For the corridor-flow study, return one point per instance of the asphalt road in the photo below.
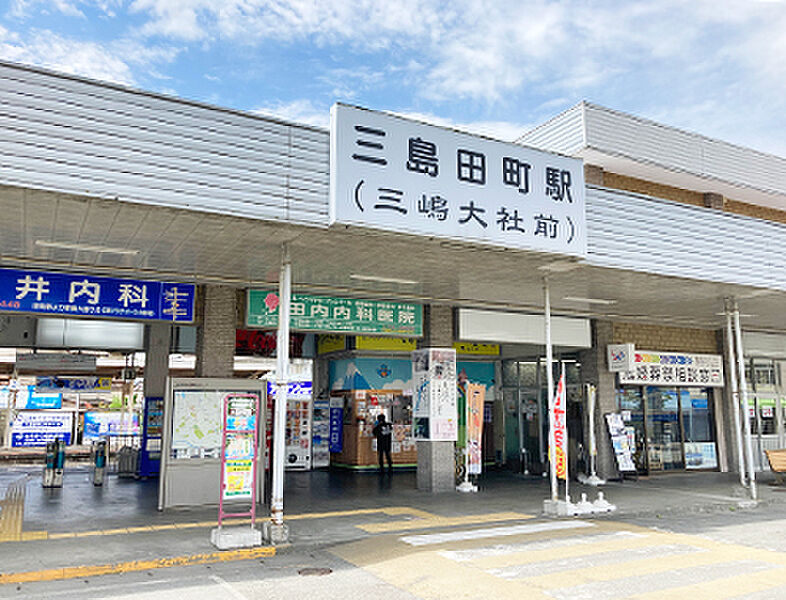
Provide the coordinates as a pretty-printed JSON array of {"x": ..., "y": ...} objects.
[{"x": 716, "y": 554}]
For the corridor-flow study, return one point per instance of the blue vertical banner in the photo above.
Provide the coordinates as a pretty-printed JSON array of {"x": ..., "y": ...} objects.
[
  {"x": 82, "y": 295},
  {"x": 336, "y": 424}
]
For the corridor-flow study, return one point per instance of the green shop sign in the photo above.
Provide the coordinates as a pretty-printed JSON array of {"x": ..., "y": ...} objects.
[{"x": 336, "y": 315}]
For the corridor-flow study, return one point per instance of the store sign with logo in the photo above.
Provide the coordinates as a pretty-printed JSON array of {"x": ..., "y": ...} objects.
[
  {"x": 674, "y": 369},
  {"x": 73, "y": 384},
  {"x": 336, "y": 315},
  {"x": 476, "y": 349},
  {"x": 71, "y": 295},
  {"x": 395, "y": 174},
  {"x": 385, "y": 344},
  {"x": 621, "y": 357}
]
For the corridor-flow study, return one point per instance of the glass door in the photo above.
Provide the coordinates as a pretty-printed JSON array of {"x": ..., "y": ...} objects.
[{"x": 664, "y": 436}]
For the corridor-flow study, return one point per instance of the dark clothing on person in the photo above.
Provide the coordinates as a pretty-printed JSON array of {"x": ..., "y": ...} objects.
[{"x": 383, "y": 431}]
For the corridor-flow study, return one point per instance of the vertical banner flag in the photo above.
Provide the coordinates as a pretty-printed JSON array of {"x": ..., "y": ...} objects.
[
  {"x": 475, "y": 397},
  {"x": 561, "y": 429}
]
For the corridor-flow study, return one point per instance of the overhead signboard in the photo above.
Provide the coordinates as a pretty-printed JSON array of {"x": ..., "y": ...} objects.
[
  {"x": 56, "y": 361},
  {"x": 100, "y": 297},
  {"x": 674, "y": 369},
  {"x": 73, "y": 384},
  {"x": 336, "y": 315},
  {"x": 400, "y": 175}
]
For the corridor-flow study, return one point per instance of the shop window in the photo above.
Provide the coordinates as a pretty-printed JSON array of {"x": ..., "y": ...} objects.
[
  {"x": 697, "y": 424},
  {"x": 763, "y": 373},
  {"x": 664, "y": 438},
  {"x": 528, "y": 374},
  {"x": 510, "y": 373},
  {"x": 766, "y": 407}
]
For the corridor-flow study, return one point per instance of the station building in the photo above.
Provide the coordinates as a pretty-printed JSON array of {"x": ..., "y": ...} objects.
[{"x": 98, "y": 180}]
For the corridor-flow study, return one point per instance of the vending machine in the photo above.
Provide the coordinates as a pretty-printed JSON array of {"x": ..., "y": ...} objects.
[
  {"x": 298, "y": 432},
  {"x": 320, "y": 433}
]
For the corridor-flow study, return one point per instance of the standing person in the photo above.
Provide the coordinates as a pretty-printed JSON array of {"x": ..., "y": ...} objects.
[{"x": 383, "y": 431}]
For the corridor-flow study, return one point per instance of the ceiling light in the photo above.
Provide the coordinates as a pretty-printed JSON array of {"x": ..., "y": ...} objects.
[
  {"x": 589, "y": 300},
  {"x": 85, "y": 247},
  {"x": 382, "y": 279}
]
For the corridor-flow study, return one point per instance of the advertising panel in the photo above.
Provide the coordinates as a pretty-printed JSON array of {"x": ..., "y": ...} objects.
[
  {"x": 101, "y": 424},
  {"x": 39, "y": 428},
  {"x": 87, "y": 296}
]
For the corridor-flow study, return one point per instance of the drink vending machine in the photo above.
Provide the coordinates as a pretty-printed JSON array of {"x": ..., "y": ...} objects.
[{"x": 298, "y": 433}]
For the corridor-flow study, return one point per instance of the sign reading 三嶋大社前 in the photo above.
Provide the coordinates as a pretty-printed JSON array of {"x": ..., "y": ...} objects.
[
  {"x": 66, "y": 294},
  {"x": 395, "y": 174},
  {"x": 652, "y": 367},
  {"x": 336, "y": 315}
]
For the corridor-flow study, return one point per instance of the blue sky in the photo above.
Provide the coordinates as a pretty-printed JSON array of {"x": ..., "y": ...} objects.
[{"x": 496, "y": 67}]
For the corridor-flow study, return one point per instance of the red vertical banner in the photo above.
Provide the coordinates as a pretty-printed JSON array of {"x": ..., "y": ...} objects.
[
  {"x": 561, "y": 429},
  {"x": 475, "y": 397}
]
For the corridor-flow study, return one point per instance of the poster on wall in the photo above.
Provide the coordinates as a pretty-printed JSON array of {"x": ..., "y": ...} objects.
[
  {"x": 336, "y": 424},
  {"x": 39, "y": 428},
  {"x": 435, "y": 401},
  {"x": 700, "y": 455},
  {"x": 240, "y": 429},
  {"x": 116, "y": 423}
]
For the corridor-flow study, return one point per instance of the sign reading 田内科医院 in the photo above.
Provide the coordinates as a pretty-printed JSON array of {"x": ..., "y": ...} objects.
[
  {"x": 69, "y": 295},
  {"x": 399, "y": 175},
  {"x": 339, "y": 315}
]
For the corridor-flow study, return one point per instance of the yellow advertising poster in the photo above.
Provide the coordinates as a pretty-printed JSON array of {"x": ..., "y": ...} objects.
[
  {"x": 331, "y": 343},
  {"x": 387, "y": 344},
  {"x": 478, "y": 349}
]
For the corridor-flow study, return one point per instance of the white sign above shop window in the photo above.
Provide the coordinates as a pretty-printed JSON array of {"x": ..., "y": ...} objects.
[
  {"x": 675, "y": 369},
  {"x": 399, "y": 175}
]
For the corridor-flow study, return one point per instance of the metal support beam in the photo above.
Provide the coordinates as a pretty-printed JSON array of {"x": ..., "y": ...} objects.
[
  {"x": 735, "y": 395},
  {"x": 550, "y": 389},
  {"x": 744, "y": 392},
  {"x": 282, "y": 382}
]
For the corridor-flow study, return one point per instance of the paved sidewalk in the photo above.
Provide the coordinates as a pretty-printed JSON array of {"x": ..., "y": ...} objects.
[{"x": 80, "y": 525}]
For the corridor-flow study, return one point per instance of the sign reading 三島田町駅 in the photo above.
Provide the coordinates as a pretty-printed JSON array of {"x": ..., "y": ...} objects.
[
  {"x": 395, "y": 174},
  {"x": 336, "y": 315},
  {"x": 65, "y": 294}
]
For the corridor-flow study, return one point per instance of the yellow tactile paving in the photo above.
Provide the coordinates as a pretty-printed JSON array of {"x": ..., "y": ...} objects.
[
  {"x": 137, "y": 565},
  {"x": 435, "y": 521},
  {"x": 12, "y": 509},
  {"x": 726, "y": 587},
  {"x": 392, "y": 511}
]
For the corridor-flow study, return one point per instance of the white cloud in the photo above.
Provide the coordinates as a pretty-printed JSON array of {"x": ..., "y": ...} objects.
[
  {"x": 298, "y": 111},
  {"x": 112, "y": 62},
  {"x": 501, "y": 130}
]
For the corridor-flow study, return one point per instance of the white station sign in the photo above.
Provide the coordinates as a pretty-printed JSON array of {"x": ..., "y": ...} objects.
[{"x": 399, "y": 175}]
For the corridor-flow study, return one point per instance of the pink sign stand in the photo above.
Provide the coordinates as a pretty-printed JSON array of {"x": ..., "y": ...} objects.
[{"x": 254, "y": 433}]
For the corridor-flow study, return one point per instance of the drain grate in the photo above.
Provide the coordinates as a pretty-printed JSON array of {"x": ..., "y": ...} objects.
[{"x": 315, "y": 571}]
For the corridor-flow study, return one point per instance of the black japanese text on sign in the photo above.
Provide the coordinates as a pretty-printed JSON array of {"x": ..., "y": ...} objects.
[{"x": 399, "y": 175}]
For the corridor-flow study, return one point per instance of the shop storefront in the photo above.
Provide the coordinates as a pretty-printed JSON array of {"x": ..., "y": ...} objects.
[{"x": 668, "y": 401}]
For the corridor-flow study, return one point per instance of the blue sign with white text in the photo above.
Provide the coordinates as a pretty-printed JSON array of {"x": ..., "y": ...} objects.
[
  {"x": 66, "y": 294},
  {"x": 336, "y": 442}
]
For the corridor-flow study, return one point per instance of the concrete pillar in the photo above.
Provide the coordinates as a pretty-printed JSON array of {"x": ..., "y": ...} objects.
[
  {"x": 728, "y": 455},
  {"x": 215, "y": 351},
  {"x": 157, "y": 341},
  {"x": 595, "y": 371},
  {"x": 437, "y": 460}
]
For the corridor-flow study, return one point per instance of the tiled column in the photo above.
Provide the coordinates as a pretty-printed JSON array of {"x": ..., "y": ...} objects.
[
  {"x": 436, "y": 460},
  {"x": 215, "y": 347}
]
